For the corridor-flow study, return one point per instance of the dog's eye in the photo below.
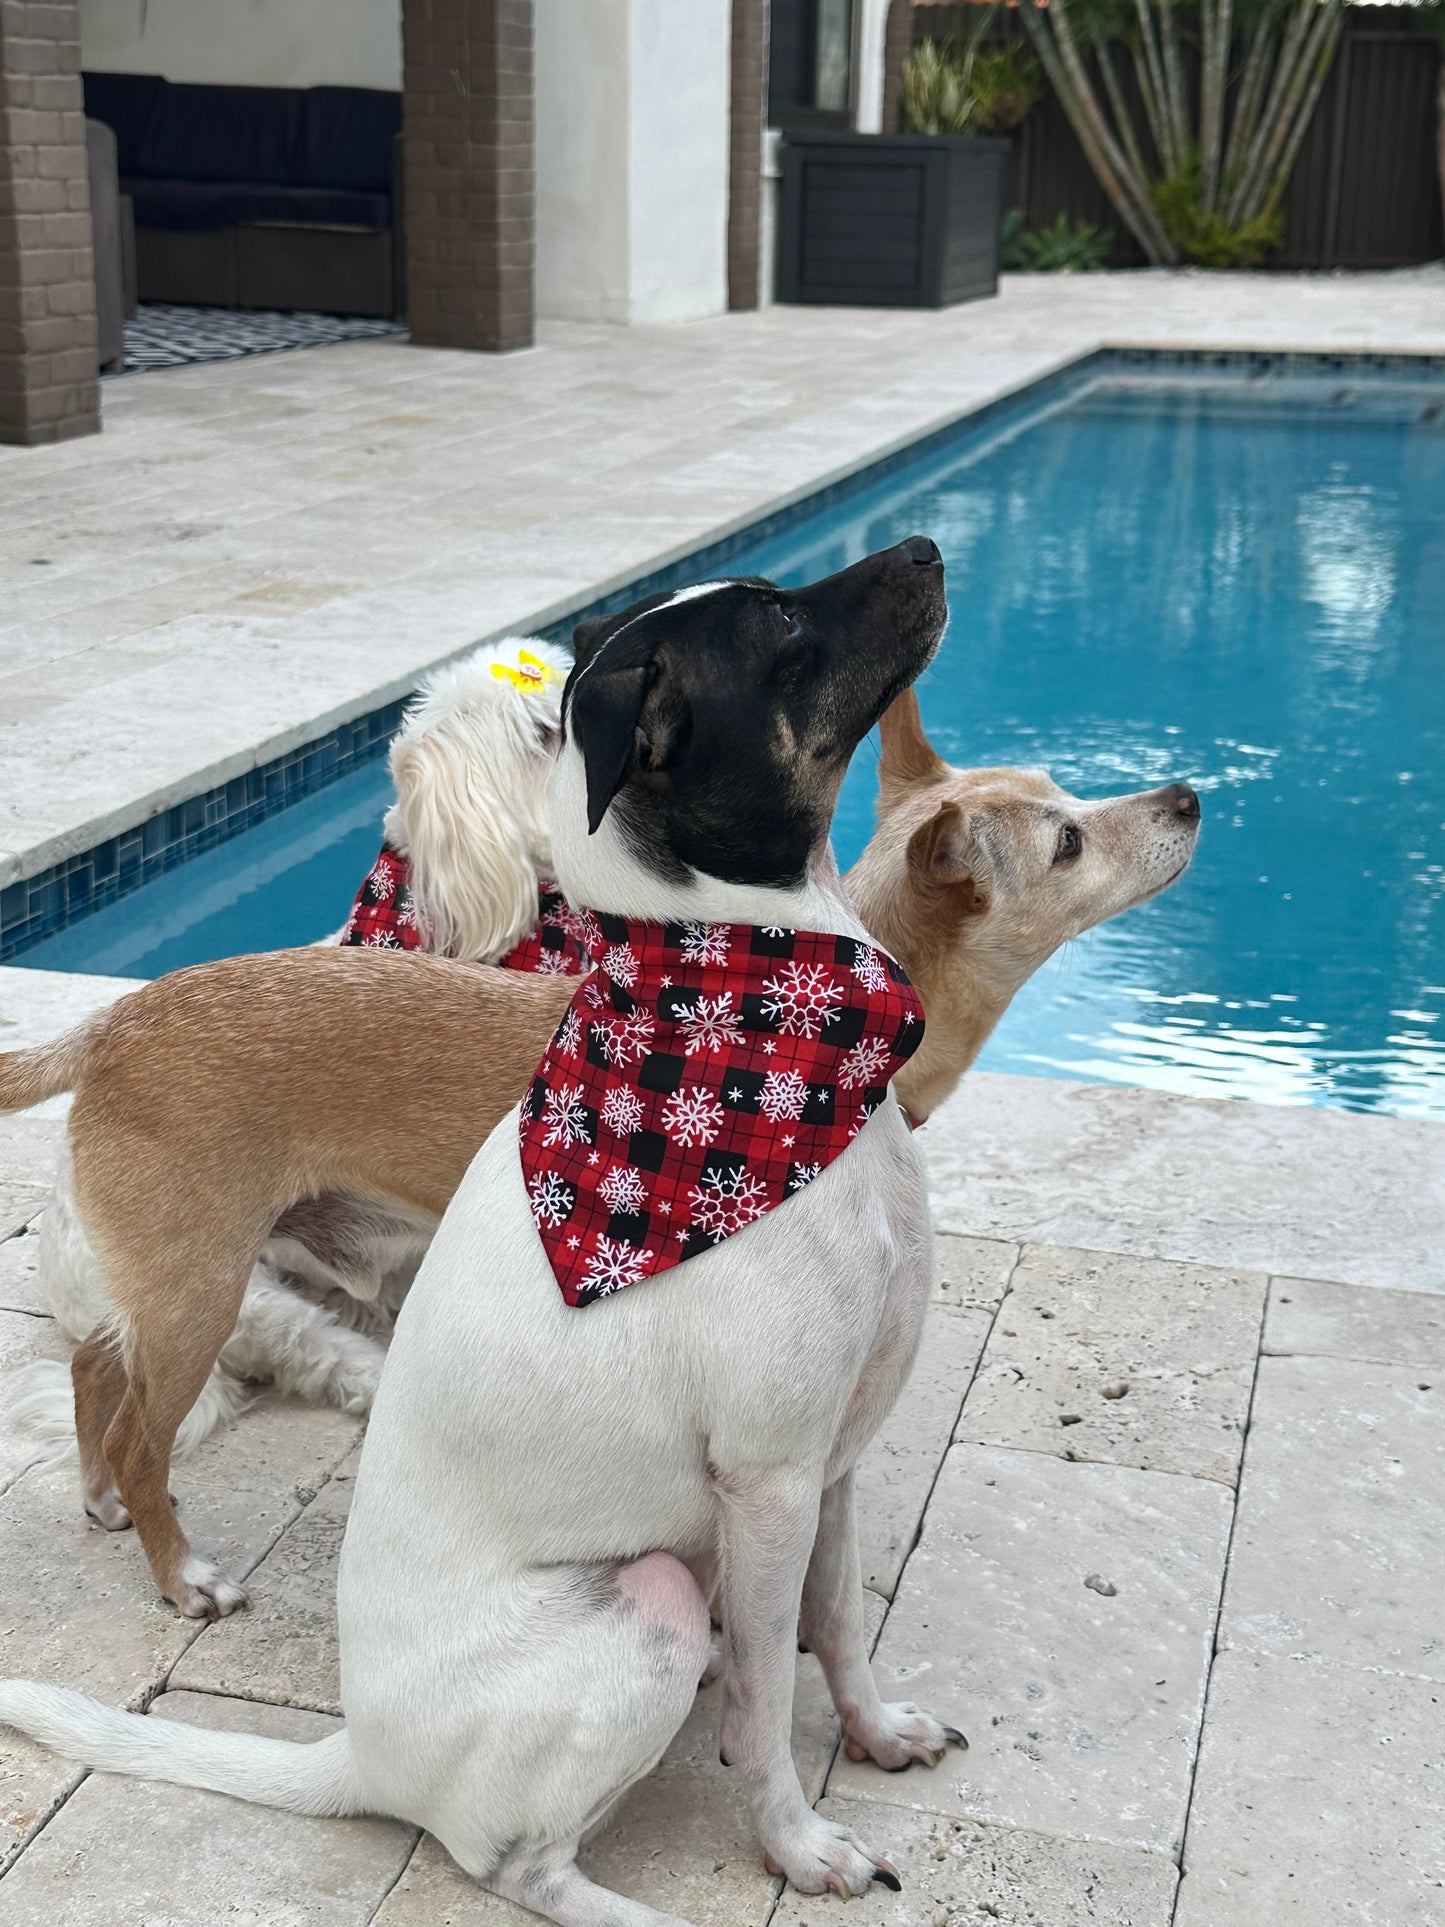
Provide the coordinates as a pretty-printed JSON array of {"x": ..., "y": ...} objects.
[
  {"x": 1071, "y": 841},
  {"x": 793, "y": 649}
]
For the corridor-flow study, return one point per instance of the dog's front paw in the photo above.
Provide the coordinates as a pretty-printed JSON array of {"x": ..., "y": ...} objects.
[
  {"x": 819, "y": 1857},
  {"x": 904, "y": 1734},
  {"x": 351, "y": 1385},
  {"x": 201, "y": 1592}
]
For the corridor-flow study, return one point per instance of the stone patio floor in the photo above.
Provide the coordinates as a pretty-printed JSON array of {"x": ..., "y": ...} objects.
[{"x": 1159, "y": 1520}]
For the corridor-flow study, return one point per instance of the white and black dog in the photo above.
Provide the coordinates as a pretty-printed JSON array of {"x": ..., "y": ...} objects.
[{"x": 520, "y": 1635}]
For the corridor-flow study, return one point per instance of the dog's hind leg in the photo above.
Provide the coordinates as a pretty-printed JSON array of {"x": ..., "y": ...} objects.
[
  {"x": 172, "y": 1338},
  {"x": 551, "y": 1883},
  {"x": 98, "y": 1374},
  {"x": 610, "y": 1674},
  {"x": 832, "y": 1627}
]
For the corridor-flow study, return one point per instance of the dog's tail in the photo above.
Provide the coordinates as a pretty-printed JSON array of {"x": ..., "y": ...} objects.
[
  {"x": 37, "y": 1402},
  {"x": 314, "y": 1777},
  {"x": 27, "y": 1076}
]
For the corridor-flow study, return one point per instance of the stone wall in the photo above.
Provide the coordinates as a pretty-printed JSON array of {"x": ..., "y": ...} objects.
[
  {"x": 470, "y": 172},
  {"x": 49, "y": 386}
]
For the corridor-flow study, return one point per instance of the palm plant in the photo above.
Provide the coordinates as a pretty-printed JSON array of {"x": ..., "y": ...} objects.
[
  {"x": 1204, "y": 175},
  {"x": 968, "y": 87}
]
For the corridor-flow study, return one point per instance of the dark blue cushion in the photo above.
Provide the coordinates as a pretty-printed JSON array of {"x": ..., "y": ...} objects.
[
  {"x": 222, "y": 134},
  {"x": 126, "y": 103},
  {"x": 189, "y": 205},
  {"x": 346, "y": 138}
]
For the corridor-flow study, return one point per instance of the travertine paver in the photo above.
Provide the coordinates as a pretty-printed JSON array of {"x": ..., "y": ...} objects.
[
  {"x": 78, "y": 1606},
  {"x": 19, "y": 1203},
  {"x": 36, "y": 1005},
  {"x": 957, "y": 1873},
  {"x": 1133, "y": 1361},
  {"x": 285, "y": 1648},
  {"x": 1081, "y": 1710},
  {"x": 1339, "y": 1547},
  {"x": 971, "y": 1274},
  {"x": 1319, "y": 1801},
  {"x": 1312, "y": 1192},
  {"x": 896, "y": 1472},
  {"x": 28, "y": 1142},
  {"x": 20, "y": 1288},
  {"x": 130, "y": 1853},
  {"x": 681, "y": 1840},
  {"x": 1351, "y": 1321}
]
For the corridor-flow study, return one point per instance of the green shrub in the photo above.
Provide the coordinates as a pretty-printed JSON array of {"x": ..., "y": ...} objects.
[
  {"x": 1064, "y": 247},
  {"x": 1203, "y": 235}
]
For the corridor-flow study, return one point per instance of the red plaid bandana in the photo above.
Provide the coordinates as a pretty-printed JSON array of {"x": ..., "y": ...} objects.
[
  {"x": 384, "y": 917},
  {"x": 702, "y": 1075}
]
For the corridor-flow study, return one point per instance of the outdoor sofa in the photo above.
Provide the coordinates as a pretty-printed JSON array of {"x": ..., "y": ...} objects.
[{"x": 259, "y": 197}]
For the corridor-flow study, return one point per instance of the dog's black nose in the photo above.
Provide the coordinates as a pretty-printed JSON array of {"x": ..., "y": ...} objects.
[
  {"x": 1182, "y": 799},
  {"x": 921, "y": 549}
]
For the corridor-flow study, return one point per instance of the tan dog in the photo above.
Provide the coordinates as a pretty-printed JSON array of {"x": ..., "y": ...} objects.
[{"x": 213, "y": 1100}]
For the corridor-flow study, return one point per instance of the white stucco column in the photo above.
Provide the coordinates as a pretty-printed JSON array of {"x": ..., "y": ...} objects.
[
  {"x": 868, "y": 92},
  {"x": 632, "y": 106}
]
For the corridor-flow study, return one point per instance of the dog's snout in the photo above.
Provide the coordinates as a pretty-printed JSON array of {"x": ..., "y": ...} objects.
[
  {"x": 1182, "y": 800},
  {"x": 921, "y": 549}
]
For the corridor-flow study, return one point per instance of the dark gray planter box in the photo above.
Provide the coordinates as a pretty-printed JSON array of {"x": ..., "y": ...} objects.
[{"x": 889, "y": 220}]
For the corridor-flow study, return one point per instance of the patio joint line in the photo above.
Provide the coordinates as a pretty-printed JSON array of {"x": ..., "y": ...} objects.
[
  {"x": 888, "y": 1598},
  {"x": 418, "y": 1835},
  {"x": 1214, "y": 1647}
]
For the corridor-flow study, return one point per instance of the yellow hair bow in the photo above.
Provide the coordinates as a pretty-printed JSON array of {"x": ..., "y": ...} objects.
[{"x": 530, "y": 674}]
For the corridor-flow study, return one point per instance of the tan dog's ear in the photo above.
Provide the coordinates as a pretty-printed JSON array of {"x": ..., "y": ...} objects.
[
  {"x": 942, "y": 869},
  {"x": 908, "y": 758}
]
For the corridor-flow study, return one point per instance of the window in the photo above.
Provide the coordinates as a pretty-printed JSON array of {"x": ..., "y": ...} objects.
[{"x": 810, "y": 62}]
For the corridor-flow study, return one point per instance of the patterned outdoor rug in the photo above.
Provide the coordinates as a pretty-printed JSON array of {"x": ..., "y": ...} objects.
[{"x": 163, "y": 336}]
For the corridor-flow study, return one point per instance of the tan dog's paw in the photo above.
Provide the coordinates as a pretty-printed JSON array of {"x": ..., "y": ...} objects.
[
  {"x": 107, "y": 1510},
  {"x": 905, "y": 1734},
  {"x": 202, "y": 1592},
  {"x": 820, "y": 1857}
]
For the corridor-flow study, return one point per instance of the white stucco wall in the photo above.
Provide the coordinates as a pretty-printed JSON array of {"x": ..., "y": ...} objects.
[
  {"x": 260, "y": 43},
  {"x": 632, "y": 159}
]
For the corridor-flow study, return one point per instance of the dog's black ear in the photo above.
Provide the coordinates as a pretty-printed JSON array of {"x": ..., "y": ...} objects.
[
  {"x": 586, "y": 633},
  {"x": 606, "y": 709}
]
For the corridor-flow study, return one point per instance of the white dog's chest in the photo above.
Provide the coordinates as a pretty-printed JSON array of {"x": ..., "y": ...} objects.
[{"x": 575, "y": 1435}]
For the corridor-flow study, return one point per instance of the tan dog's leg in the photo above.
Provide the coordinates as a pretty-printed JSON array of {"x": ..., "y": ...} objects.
[
  {"x": 97, "y": 1371},
  {"x": 171, "y": 1345}
]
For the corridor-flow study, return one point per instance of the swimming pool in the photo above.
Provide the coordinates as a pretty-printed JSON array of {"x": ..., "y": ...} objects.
[{"x": 1229, "y": 574}]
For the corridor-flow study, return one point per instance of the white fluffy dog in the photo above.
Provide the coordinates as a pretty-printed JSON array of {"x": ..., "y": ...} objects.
[{"x": 470, "y": 765}]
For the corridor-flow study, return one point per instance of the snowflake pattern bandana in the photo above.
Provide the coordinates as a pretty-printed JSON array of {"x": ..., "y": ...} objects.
[
  {"x": 384, "y": 917},
  {"x": 702, "y": 1075}
]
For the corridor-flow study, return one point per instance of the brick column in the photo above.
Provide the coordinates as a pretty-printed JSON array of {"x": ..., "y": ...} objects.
[
  {"x": 745, "y": 149},
  {"x": 49, "y": 386},
  {"x": 470, "y": 172}
]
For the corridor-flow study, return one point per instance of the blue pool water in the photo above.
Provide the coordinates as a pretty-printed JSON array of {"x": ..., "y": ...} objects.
[{"x": 1235, "y": 581}]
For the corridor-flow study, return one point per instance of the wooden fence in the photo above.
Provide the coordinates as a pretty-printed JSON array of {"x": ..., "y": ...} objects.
[{"x": 1365, "y": 192}]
